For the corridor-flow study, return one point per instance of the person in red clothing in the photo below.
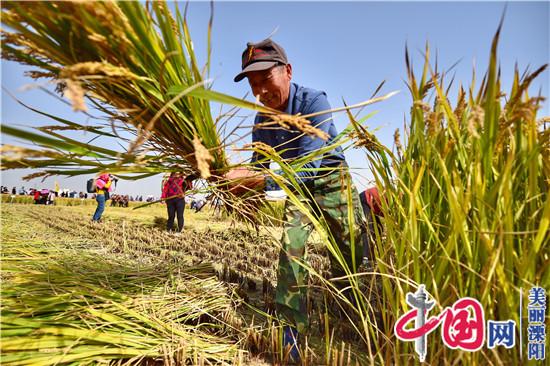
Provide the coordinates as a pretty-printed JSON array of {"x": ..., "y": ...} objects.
[{"x": 173, "y": 192}]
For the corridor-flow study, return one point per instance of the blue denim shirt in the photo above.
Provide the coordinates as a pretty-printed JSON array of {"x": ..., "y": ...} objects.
[{"x": 304, "y": 101}]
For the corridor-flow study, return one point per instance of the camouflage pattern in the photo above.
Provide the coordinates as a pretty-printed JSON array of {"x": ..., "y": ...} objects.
[{"x": 329, "y": 193}]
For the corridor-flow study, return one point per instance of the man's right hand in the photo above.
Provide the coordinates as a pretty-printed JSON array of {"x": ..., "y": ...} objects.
[{"x": 242, "y": 180}]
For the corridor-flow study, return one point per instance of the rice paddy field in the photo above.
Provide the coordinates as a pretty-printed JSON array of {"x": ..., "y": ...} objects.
[
  {"x": 465, "y": 209},
  {"x": 127, "y": 290}
]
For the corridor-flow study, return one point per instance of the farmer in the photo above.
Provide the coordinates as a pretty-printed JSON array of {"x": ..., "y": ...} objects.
[
  {"x": 173, "y": 191},
  {"x": 269, "y": 74},
  {"x": 104, "y": 185},
  {"x": 36, "y": 196}
]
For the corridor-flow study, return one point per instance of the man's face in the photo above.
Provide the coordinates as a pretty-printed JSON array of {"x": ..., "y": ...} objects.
[{"x": 272, "y": 86}]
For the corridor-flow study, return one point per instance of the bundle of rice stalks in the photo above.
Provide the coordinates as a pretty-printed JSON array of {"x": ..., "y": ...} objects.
[
  {"x": 466, "y": 204},
  {"x": 62, "y": 306},
  {"x": 120, "y": 57}
]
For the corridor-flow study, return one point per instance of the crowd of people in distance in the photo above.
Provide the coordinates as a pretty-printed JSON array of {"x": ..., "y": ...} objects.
[
  {"x": 22, "y": 191},
  {"x": 40, "y": 196},
  {"x": 119, "y": 200},
  {"x": 47, "y": 196}
]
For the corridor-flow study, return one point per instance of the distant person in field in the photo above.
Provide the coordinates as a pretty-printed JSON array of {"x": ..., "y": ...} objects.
[
  {"x": 173, "y": 192},
  {"x": 126, "y": 201},
  {"x": 104, "y": 185},
  {"x": 51, "y": 198},
  {"x": 269, "y": 73}
]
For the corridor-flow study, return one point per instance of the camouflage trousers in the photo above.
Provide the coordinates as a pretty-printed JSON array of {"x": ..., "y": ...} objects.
[{"x": 328, "y": 199}]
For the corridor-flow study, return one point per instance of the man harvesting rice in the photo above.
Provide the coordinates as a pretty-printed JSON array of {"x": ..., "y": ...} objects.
[{"x": 269, "y": 74}]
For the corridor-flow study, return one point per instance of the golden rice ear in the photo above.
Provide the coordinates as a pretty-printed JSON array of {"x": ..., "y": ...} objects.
[
  {"x": 75, "y": 93},
  {"x": 298, "y": 122},
  {"x": 258, "y": 146},
  {"x": 95, "y": 69},
  {"x": 203, "y": 158}
]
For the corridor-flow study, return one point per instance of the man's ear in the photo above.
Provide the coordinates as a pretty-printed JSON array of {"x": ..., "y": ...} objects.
[{"x": 289, "y": 71}]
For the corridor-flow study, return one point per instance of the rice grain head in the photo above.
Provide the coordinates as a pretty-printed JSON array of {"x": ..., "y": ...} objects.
[
  {"x": 397, "y": 142},
  {"x": 95, "y": 68},
  {"x": 203, "y": 158},
  {"x": 75, "y": 94},
  {"x": 300, "y": 123},
  {"x": 259, "y": 146},
  {"x": 475, "y": 121}
]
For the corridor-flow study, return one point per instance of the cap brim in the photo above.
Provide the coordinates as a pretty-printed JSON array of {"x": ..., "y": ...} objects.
[{"x": 256, "y": 66}]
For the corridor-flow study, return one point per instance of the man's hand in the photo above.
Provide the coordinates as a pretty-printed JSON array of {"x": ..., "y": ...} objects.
[{"x": 242, "y": 180}]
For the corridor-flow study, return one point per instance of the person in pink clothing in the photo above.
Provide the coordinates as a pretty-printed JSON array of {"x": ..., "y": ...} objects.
[
  {"x": 104, "y": 185},
  {"x": 173, "y": 192}
]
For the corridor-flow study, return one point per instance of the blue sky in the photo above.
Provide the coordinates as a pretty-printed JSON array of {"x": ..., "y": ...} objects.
[{"x": 345, "y": 49}]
